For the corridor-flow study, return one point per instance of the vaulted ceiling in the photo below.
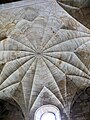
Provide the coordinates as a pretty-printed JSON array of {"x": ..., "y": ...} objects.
[{"x": 44, "y": 57}]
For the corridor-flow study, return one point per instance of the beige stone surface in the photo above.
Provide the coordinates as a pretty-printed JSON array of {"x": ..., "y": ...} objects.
[
  {"x": 79, "y": 9},
  {"x": 44, "y": 56}
]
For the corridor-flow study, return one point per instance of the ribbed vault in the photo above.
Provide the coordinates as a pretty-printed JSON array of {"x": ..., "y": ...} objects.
[{"x": 44, "y": 57}]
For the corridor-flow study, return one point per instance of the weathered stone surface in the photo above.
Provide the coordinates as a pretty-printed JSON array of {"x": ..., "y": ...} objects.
[
  {"x": 79, "y": 9},
  {"x": 80, "y": 107},
  {"x": 9, "y": 110},
  {"x": 44, "y": 57}
]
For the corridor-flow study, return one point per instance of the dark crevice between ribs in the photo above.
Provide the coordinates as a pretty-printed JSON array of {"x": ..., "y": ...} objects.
[{"x": 7, "y": 1}]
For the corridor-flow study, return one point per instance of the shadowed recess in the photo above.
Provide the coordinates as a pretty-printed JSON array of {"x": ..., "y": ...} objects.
[
  {"x": 80, "y": 108},
  {"x": 8, "y": 1},
  {"x": 8, "y": 109}
]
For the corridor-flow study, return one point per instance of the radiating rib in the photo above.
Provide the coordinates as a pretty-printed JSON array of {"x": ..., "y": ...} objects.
[
  {"x": 8, "y": 91},
  {"x": 27, "y": 82},
  {"x": 18, "y": 96},
  {"x": 53, "y": 26},
  {"x": 75, "y": 83},
  {"x": 17, "y": 75},
  {"x": 85, "y": 47},
  {"x": 71, "y": 91},
  {"x": 42, "y": 78},
  {"x": 12, "y": 66},
  {"x": 70, "y": 58},
  {"x": 50, "y": 99},
  {"x": 10, "y": 44},
  {"x": 63, "y": 35},
  {"x": 59, "y": 77},
  {"x": 45, "y": 34},
  {"x": 6, "y": 56},
  {"x": 67, "y": 68},
  {"x": 83, "y": 52},
  {"x": 79, "y": 80},
  {"x": 60, "y": 95},
  {"x": 70, "y": 45},
  {"x": 18, "y": 36}
]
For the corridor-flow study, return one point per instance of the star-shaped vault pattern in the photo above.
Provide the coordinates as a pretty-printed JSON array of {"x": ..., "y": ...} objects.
[{"x": 44, "y": 58}]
